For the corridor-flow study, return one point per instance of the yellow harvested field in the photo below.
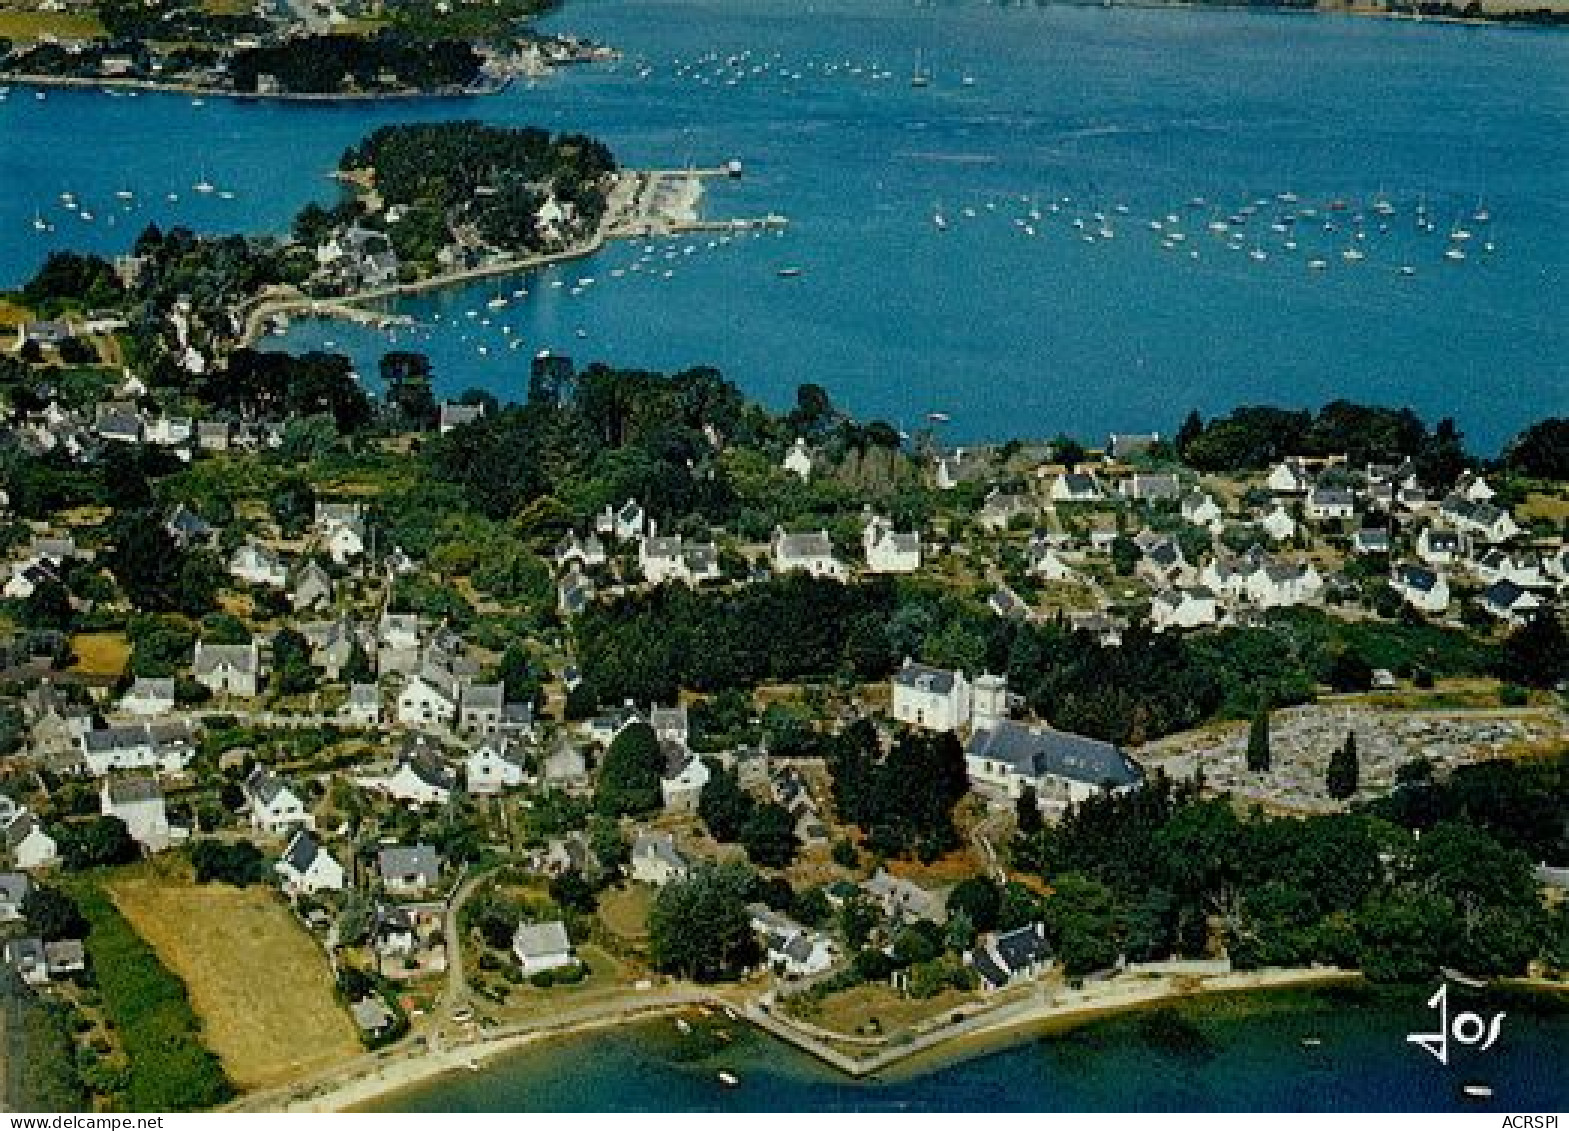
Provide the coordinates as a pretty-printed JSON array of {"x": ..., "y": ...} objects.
[
  {"x": 100, "y": 653},
  {"x": 258, "y": 982},
  {"x": 35, "y": 25}
]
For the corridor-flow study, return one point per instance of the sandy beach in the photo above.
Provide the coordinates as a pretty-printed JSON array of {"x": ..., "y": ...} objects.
[{"x": 375, "y": 1077}]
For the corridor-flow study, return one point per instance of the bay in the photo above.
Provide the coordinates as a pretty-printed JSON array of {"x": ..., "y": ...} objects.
[
  {"x": 1231, "y": 1053},
  {"x": 1009, "y": 333}
]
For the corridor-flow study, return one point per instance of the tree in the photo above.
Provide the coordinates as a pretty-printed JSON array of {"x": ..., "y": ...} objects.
[
  {"x": 1027, "y": 811},
  {"x": 51, "y": 914},
  {"x": 1258, "y": 742},
  {"x": 47, "y": 606},
  {"x": 629, "y": 778},
  {"x": 699, "y": 927},
  {"x": 724, "y": 806},
  {"x": 572, "y": 891},
  {"x": 1542, "y": 450},
  {"x": 1537, "y": 653},
  {"x": 1081, "y": 922},
  {"x": 519, "y": 677},
  {"x": 292, "y": 673},
  {"x": 1192, "y": 428},
  {"x": 769, "y": 836},
  {"x": 1344, "y": 770},
  {"x": 1124, "y": 555},
  {"x": 980, "y": 899},
  {"x": 101, "y": 842},
  {"x": 239, "y": 863}
]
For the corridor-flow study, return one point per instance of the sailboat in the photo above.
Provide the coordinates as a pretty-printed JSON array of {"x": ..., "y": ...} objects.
[
  {"x": 939, "y": 220},
  {"x": 919, "y": 77},
  {"x": 203, "y": 185}
]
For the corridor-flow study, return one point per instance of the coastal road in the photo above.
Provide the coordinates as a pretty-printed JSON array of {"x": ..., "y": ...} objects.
[{"x": 457, "y": 993}]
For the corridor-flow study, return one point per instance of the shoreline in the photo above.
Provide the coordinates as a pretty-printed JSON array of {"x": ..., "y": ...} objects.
[
  {"x": 989, "y": 1034},
  {"x": 109, "y": 83}
]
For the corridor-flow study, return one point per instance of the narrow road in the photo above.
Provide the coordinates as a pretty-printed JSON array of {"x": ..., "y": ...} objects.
[{"x": 456, "y": 996}]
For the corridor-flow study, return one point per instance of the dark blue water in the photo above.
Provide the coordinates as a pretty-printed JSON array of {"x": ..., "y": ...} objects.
[
  {"x": 1010, "y": 333},
  {"x": 1247, "y": 1058}
]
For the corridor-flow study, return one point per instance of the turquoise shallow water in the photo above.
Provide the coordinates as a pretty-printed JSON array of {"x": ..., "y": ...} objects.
[
  {"x": 1010, "y": 333},
  {"x": 1241, "y": 1063}
]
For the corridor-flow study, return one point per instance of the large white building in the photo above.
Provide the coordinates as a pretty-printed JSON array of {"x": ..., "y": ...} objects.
[
  {"x": 1064, "y": 768},
  {"x": 940, "y": 700}
]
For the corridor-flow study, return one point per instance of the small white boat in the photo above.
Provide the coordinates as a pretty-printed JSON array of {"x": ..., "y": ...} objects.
[
  {"x": 1353, "y": 255},
  {"x": 1476, "y": 1091},
  {"x": 1407, "y": 271},
  {"x": 1454, "y": 254},
  {"x": 938, "y": 417},
  {"x": 198, "y": 102},
  {"x": 1312, "y": 1042},
  {"x": 39, "y": 223},
  {"x": 1317, "y": 264},
  {"x": 789, "y": 272},
  {"x": 204, "y": 185},
  {"x": 1258, "y": 255},
  {"x": 731, "y": 1080},
  {"x": 125, "y": 194},
  {"x": 940, "y": 221}
]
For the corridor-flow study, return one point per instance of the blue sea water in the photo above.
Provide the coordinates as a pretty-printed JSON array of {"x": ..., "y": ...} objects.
[
  {"x": 1009, "y": 333},
  {"x": 1254, "y": 1061}
]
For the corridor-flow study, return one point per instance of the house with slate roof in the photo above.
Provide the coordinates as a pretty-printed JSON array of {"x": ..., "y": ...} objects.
[
  {"x": 14, "y": 888},
  {"x": 167, "y": 747},
  {"x": 496, "y": 764},
  {"x": 228, "y": 669},
  {"x": 542, "y": 946},
  {"x": 275, "y": 808},
  {"x": 931, "y": 698},
  {"x": 888, "y": 550},
  {"x": 656, "y": 860},
  {"x": 810, "y": 552},
  {"x": 306, "y": 868},
  {"x": 788, "y": 947},
  {"x": 1004, "y": 957},
  {"x": 1063, "y": 767},
  {"x": 312, "y": 588},
  {"x": 1420, "y": 587},
  {"x": 149, "y": 696},
  {"x": 29, "y": 846},
  {"x": 138, "y": 801},
  {"x": 259, "y": 565},
  {"x": 409, "y": 870},
  {"x": 1075, "y": 487}
]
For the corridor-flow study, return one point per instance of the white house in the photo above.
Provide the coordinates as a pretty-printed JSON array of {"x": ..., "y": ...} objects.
[
  {"x": 681, "y": 784},
  {"x": 1483, "y": 520},
  {"x": 259, "y": 565},
  {"x": 1064, "y": 768},
  {"x": 345, "y": 542},
  {"x": 1330, "y": 503},
  {"x": 1003, "y": 957},
  {"x": 1150, "y": 488},
  {"x": 589, "y": 551},
  {"x": 1279, "y": 524},
  {"x": 931, "y": 698},
  {"x": 788, "y": 947},
  {"x": 1437, "y": 546},
  {"x": 1046, "y": 562},
  {"x": 1199, "y": 508},
  {"x": 1075, "y": 487},
  {"x": 624, "y": 523},
  {"x": 429, "y": 699},
  {"x": 1193, "y": 607},
  {"x": 421, "y": 778},
  {"x": 138, "y": 801},
  {"x": 542, "y": 946},
  {"x": 149, "y": 696},
  {"x": 494, "y": 765},
  {"x": 30, "y": 847},
  {"x": 1290, "y": 477},
  {"x": 1510, "y": 602},
  {"x": 275, "y": 808},
  {"x": 228, "y": 669},
  {"x": 409, "y": 871},
  {"x": 166, "y": 747},
  {"x": 887, "y": 550},
  {"x": 307, "y": 868},
  {"x": 364, "y": 705},
  {"x": 811, "y": 552},
  {"x": 656, "y": 860},
  {"x": 1422, "y": 588},
  {"x": 1001, "y": 507},
  {"x": 798, "y": 459},
  {"x": 14, "y": 890},
  {"x": 1277, "y": 584}
]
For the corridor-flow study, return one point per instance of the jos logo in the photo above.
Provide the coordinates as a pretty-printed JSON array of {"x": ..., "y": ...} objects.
[{"x": 1467, "y": 1028}]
